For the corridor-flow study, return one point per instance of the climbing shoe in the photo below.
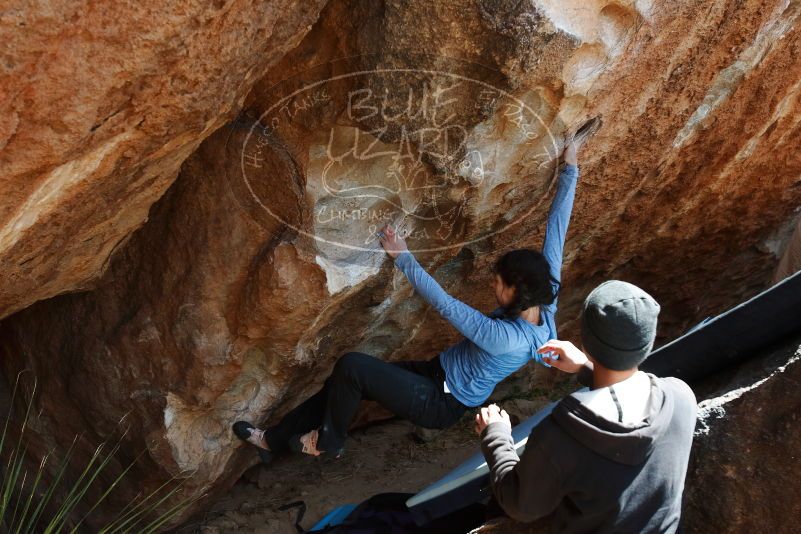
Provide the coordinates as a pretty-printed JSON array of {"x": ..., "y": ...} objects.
[
  {"x": 307, "y": 444},
  {"x": 243, "y": 430},
  {"x": 304, "y": 443}
]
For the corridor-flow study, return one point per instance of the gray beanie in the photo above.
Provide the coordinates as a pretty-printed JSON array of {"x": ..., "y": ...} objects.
[{"x": 618, "y": 324}]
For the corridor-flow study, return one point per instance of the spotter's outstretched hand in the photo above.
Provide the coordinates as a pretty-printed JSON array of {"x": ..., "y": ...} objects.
[
  {"x": 569, "y": 358},
  {"x": 490, "y": 414}
]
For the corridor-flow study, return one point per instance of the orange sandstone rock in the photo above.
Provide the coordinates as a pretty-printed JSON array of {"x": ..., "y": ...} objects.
[{"x": 228, "y": 292}]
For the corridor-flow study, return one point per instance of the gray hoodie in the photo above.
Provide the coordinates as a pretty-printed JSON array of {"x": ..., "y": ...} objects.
[{"x": 597, "y": 475}]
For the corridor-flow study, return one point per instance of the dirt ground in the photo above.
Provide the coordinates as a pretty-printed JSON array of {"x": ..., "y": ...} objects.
[{"x": 382, "y": 457}]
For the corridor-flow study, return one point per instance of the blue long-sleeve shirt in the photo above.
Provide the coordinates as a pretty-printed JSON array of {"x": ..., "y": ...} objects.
[{"x": 495, "y": 347}]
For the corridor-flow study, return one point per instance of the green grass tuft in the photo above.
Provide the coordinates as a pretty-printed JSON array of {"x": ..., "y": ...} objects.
[{"x": 27, "y": 498}]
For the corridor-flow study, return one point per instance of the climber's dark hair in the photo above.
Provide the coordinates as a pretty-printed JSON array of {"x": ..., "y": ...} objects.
[{"x": 528, "y": 271}]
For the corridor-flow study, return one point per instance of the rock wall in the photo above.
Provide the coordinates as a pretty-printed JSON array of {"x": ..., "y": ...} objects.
[
  {"x": 99, "y": 107},
  {"x": 256, "y": 269},
  {"x": 743, "y": 474}
]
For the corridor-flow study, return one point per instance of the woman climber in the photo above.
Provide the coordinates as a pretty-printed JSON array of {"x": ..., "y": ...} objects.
[{"x": 436, "y": 393}]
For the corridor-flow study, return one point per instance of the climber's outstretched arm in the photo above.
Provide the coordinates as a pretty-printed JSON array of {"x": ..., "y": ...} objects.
[
  {"x": 492, "y": 335},
  {"x": 559, "y": 218}
]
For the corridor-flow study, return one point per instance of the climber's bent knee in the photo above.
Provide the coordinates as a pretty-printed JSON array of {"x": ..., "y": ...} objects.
[{"x": 351, "y": 362}]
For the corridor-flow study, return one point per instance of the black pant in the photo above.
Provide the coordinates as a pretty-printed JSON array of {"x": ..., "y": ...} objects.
[{"x": 410, "y": 389}]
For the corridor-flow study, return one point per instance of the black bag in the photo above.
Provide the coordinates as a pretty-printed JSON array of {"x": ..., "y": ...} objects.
[{"x": 386, "y": 513}]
